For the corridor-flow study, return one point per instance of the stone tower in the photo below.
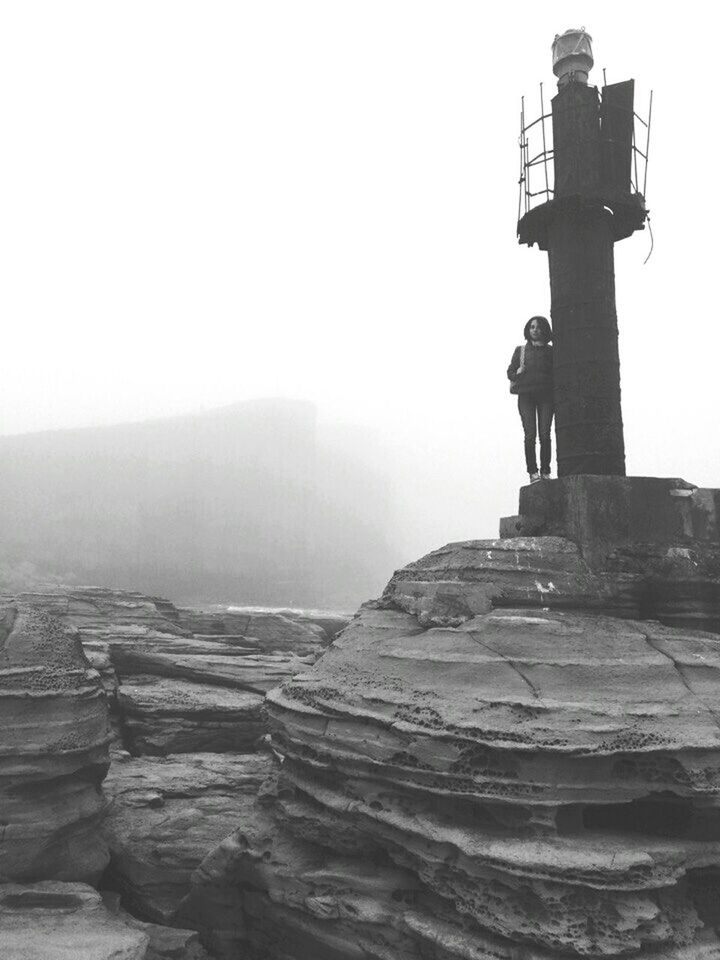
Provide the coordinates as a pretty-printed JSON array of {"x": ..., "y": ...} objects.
[{"x": 594, "y": 204}]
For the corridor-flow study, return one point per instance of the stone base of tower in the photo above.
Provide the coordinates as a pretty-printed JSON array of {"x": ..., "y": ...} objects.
[
  {"x": 598, "y": 511},
  {"x": 661, "y": 535}
]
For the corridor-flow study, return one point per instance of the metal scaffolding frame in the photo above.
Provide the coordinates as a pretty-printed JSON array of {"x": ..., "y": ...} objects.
[
  {"x": 544, "y": 156},
  {"x": 527, "y": 163}
]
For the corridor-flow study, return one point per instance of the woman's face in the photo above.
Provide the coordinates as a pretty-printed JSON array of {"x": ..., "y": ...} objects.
[{"x": 536, "y": 331}]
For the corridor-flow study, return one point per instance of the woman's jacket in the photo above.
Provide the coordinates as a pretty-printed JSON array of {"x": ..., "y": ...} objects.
[{"x": 538, "y": 374}]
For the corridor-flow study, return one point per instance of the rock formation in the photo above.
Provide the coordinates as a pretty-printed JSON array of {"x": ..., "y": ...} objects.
[
  {"x": 508, "y": 755},
  {"x": 513, "y": 753},
  {"x": 161, "y": 716},
  {"x": 166, "y": 815},
  {"x": 186, "y": 705},
  {"x": 181, "y": 679},
  {"x": 181, "y": 692},
  {"x": 95, "y": 608},
  {"x": 301, "y": 632},
  {"x": 57, "y": 921},
  {"x": 164, "y": 943},
  {"x": 54, "y": 751},
  {"x": 72, "y": 921}
]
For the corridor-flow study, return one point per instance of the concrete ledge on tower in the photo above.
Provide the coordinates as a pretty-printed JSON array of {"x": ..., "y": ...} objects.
[
  {"x": 597, "y": 512},
  {"x": 664, "y": 532},
  {"x": 626, "y": 213}
]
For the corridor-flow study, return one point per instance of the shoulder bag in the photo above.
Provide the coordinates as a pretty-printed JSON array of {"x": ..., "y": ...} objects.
[{"x": 514, "y": 383}]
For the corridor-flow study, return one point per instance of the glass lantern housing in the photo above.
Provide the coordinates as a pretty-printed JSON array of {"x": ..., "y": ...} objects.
[{"x": 572, "y": 56}]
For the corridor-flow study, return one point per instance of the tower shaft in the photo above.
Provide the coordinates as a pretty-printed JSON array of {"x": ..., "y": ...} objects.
[{"x": 588, "y": 417}]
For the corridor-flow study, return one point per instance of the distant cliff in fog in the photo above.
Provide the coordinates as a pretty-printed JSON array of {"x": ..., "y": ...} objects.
[{"x": 249, "y": 503}]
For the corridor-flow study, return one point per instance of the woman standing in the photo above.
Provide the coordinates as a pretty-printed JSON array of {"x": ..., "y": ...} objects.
[{"x": 531, "y": 373}]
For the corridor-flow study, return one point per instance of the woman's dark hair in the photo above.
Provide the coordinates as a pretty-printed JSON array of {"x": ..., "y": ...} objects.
[{"x": 544, "y": 327}]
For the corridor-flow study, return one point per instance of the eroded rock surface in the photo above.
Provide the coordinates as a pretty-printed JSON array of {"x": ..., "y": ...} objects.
[
  {"x": 88, "y": 608},
  {"x": 173, "y": 694},
  {"x": 265, "y": 631},
  {"x": 227, "y": 662},
  {"x": 164, "y": 943},
  {"x": 54, "y": 753},
  {"x": 461, "y": 580},
  {"x": 290, "y": 898},
  {"x": 162, "y": 716},
  {"x": 207, "y": 688},
  {"x": 64, "y": 921},
  {"x": 166, "y": 815},
  {"x": 195, "y": 699},
  {"x": 523, "y": 775}
]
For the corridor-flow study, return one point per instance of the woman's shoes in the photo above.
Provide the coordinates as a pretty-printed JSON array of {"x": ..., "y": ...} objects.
[
  {"x": 544, "y": 476},
  {"x": 534, "y": 477}
]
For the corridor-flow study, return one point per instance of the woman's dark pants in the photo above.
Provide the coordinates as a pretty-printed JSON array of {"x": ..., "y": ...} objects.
[{"x": 536, "y": 413}]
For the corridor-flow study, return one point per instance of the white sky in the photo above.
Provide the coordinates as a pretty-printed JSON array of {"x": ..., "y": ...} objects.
[{"x": 202, "y": 202}]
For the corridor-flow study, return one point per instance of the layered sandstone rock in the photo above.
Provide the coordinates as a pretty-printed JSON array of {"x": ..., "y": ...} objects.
[
  {"x": 54, "y": 753},
  {"x": 486, "y": 764},
  {"x": 166, "y": 815},
  {"x": 266, "y": 631},
  {"x": 64, "y": 921},
  {"x": 195, "y": 699},
  {"x": 265, "y": 893},
  {"x": 162, "y": 716},
  {"x": 461, "y": 580},
  {"x": 222, "y": 661},
  {"x": 164, "y": 943},
  {"x": 171, "y": 690},
  {"x": 198, "y": 701},
  {"x": 173, "y": 694},
  {"x": 88, "y": 608}
]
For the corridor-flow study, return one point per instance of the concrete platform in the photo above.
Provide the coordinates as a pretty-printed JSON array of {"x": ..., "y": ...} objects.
[{"x": 600, "y": 512}]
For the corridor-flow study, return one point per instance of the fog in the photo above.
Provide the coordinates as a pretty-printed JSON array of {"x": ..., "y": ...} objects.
[
  {"x": 200, "y": 508},
  {"x": 203, "y": 204}
]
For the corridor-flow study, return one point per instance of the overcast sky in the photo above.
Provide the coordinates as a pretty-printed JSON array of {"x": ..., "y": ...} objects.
[{"x": 205, "y": 202}]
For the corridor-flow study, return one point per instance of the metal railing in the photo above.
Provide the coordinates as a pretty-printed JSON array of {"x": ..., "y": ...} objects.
[
  {"x": 637, "y": 152},
  {"x": 537, "y": 174},
  {"x": 528, "y": 163}
]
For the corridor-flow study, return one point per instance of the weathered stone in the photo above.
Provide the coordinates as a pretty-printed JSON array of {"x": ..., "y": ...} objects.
[
  {"x": 98, "y": 655},
  {"x": 679, "y": 585},
  {"x": 462, "y": 580},
  {"x": 162, "y": 716},
  {"x": 54, "y": 754},
  {"x": 523, "y": 760},
  {"x": 265, "y": 893},
  {"x": 96, "y": 607},
  {"x": 331, "y": 623},
  {"x": 166, "y": 815},
  {"x": 528, "y": 778},
  {"x": 64, "y": 921},
  {"x": 232, "y": 668},
  {"x": 600, "y": 511},
  {"x": 165, "y": 943},
  {"x": 125, "y": 643},
  {"x": 265, "y": 631},
  {"x": 663, "y": 534}
]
